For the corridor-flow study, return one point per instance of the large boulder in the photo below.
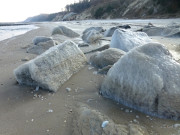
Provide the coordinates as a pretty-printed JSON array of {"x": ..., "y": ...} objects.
[
  {"x": 41, "y": 44},
  {"x": 98, "y": 29},
  {"x": 40, "y": 39},
  {"x": 62, "y": 30},
  {"x": 126, "y": 39},
  {"x": 109, "y": 32},
  {"x": 169, "y": 31},
  {"x": 92, "y": 36},
  {"x": 52, "y": 68},
  {"x": 147, "y": 79},
  {"x": 106, "y": 57},
  {"x": 88, "y": 121}
]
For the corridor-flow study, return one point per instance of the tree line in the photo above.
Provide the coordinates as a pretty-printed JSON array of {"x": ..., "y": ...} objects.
[{"x": 82, "y": 5}]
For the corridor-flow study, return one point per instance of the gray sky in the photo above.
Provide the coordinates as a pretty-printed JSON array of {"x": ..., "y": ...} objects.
[{"x": 19, "y": 10}]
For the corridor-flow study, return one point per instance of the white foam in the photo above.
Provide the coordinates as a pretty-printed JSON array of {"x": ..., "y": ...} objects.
[{"x": 11, "y": 31}]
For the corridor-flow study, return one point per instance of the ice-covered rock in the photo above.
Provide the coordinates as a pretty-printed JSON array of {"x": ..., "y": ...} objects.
[
  {"x": 106, "y": 57},
  {"x": 39, "y": 39},
  {"x": 52, "y": 68},
  {"x": 62, "y": 30},
  {"x": 169, "y": 31},
  {"x": 91, "y": 122},
  {"x": 126, "y": 39},
  {"x": 41, "y": 47},
  {"x": 110, "y": 32},
  {"x": 98, "y": 29},
  {"x": 92, "y": 36},
  {"x": 148, "y": 79}
]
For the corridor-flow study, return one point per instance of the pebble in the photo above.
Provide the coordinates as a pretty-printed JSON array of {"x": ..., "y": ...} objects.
[
  {"x": 76, "y": 90},
  {"x": 90, "y": 68},
  {"x": 90, "y": 100},
  {"x": 50, "y": 111},
  {"x": 104, "y": 124},
  {"x": 127, "y": 110},
  {"x": 25, "y": 59},
  {"x": 135, "y": 121},
  {"x": 95, "y": 72},
  {"x": 37, "y": 88},
  {"x": 68, "y": 89}
]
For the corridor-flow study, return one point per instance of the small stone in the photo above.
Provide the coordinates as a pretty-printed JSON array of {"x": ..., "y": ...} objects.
[
  {"x": 25, "y": 59},
  {"x": 135, "y": 121},
  {"x": 95, "y": 72},
  {"x": 76, "y": 90},
  {"x": 50, "y": 111},
  {"x": 90, "y": 100},
  {"x": 127, "y": 110},
  {"x": 37, "y": 88},
  {"x": 68, "y": 89},
  {"x": 90, "y": 68},
  {"x": 104, "y": 124},
  {"x": 32, "y": 120}
]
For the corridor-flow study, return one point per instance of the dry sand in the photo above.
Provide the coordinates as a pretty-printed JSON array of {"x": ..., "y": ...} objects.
[{"x": 28, "y": 112}]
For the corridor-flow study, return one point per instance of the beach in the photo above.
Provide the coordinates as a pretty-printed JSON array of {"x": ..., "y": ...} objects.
[{"x": 25, "y": 111}]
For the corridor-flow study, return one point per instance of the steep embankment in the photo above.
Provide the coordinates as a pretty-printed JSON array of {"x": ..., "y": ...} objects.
[
  {"x": 118, "y": 9},
  {"x": 132, "y": 9}
]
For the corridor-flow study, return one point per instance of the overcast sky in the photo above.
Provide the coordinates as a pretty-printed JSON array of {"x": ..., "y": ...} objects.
[{"x": 19, "y": 10}]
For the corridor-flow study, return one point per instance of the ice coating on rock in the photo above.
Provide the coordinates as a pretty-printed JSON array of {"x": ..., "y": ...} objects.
[
  {"x": 52, "y": 68},
  {"x": 148, "y": 79},
  {"x": 127, "y": 40}
]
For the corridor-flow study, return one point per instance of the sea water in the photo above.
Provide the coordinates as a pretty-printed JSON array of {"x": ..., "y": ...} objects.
[{"x": 11, "y": 31}]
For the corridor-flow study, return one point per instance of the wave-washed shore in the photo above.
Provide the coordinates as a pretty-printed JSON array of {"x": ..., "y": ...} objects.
[{"x": 8, "y": 30}]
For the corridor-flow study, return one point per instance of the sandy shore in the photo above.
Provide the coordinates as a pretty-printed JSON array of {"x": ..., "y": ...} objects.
[{"x": 27, "y": 112}]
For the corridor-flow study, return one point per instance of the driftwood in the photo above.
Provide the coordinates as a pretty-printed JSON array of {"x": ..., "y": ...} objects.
[{"x": 98, "y": 49}]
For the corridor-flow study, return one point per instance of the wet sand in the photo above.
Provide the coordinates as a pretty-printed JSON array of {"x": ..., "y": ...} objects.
[{"x": 26, "y": 112}]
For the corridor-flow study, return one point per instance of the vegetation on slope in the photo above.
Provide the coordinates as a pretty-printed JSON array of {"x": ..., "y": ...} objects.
[{"x": 102, "y": 9}]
